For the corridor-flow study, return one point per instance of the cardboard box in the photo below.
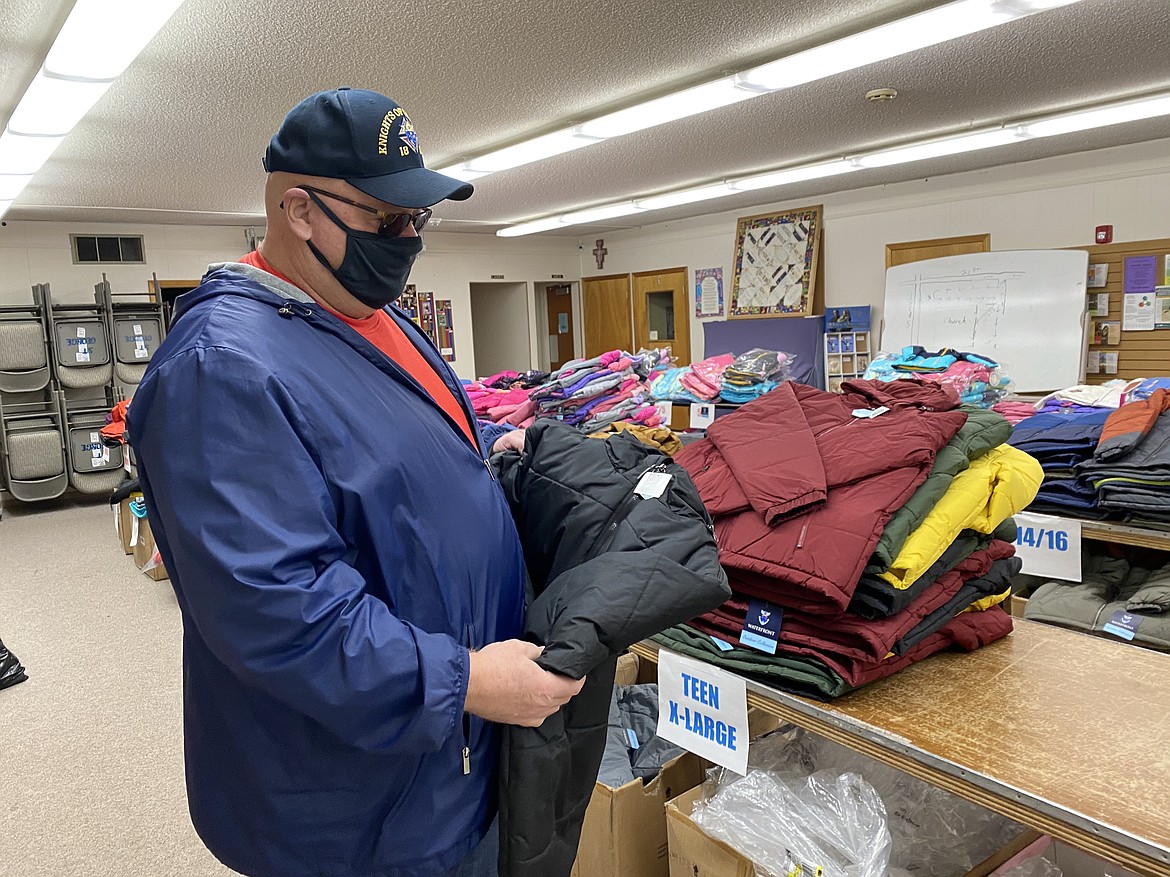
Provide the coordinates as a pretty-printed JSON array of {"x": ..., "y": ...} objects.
[
  {"x": 146, "y": 555},
  {"x": 625, "y": 829},
  {"x": 624, "y": 832},
  {"x": 124, "y": 525},
  {"x": 694, "y": 853}
]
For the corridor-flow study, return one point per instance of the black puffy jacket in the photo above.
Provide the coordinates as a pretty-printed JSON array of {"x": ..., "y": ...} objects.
[{"x": 609, "y": 567}]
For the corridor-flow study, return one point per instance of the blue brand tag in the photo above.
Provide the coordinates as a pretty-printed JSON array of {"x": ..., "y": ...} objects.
[
  {"x": 761, "y": 627},
  {"x": 1123, "y": 624},
  {"x": 633, "y": 738},
  {"x": 723, "y": 647}
]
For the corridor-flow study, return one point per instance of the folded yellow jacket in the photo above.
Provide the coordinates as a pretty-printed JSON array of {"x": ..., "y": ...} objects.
[{"x": 996, "y": 486}]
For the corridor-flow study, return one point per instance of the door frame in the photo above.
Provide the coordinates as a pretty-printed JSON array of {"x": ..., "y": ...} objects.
[
  {"x": 984, "y": 239},
  {"x": 540, "y": 358},
  {"x": 682, "y": 322}
]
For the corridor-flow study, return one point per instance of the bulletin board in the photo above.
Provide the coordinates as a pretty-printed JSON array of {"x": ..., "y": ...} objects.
[{"x": 1141, "y": 354}]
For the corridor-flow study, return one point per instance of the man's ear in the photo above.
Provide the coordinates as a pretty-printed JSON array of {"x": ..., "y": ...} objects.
[{"x": 296, "y": 207}]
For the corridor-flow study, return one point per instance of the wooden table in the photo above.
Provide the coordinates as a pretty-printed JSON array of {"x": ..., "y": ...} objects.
[{"x": 1066, "y": 733}]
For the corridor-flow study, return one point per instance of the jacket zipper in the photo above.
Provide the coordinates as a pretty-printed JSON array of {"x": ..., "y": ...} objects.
[
  {"x": 619, "y": 514},
  {"x": 466, "y": 751},
  {"x": 295, "y": 309},
  {"x": 466, "y": 744}
]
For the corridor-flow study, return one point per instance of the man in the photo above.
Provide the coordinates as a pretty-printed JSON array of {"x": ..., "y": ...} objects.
[{"x": 349, "y": 576}]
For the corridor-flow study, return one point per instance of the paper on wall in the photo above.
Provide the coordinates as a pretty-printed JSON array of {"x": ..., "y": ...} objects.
[
  {"x": 1138, "y": 313},
  {"x": 1109, "y": 363}
]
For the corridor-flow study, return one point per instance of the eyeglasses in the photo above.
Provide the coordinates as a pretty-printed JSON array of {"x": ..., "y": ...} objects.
[{"x": 391, "y": 225}]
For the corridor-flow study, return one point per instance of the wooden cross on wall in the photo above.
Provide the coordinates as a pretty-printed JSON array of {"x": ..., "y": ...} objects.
[{"x": 599, "y": 253}]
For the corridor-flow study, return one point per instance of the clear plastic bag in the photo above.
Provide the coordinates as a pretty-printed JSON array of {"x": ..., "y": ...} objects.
[
  {"x": 1037, "y": 867},
  {"x": 933, "y": 833},
  {"x": 828, "y": 820}
]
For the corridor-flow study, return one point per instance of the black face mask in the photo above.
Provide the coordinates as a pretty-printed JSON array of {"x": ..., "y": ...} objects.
[{"x": 375, "y": 268}]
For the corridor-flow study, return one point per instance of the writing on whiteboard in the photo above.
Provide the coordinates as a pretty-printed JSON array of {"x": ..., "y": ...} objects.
[{"x": 967, "y": 308}]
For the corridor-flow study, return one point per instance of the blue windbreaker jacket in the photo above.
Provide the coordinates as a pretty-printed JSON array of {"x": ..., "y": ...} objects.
[{"x": 336, "y": 545}]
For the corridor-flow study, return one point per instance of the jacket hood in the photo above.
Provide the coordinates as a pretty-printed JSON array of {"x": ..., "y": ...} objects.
[
  {"x": 223, "y": 278},
  {"x": 908, "y": 393}
]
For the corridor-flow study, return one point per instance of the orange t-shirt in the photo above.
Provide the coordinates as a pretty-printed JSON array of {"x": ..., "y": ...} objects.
[{"x": 381, "y": 331}]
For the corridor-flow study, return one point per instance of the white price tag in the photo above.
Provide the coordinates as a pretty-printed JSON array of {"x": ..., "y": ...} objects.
[
  {"x": 704, "y": 710},
  {"x": 702, "y": 414},
  {"x": 652, "y": 484},
  {"x": 1049, "y": 546}
]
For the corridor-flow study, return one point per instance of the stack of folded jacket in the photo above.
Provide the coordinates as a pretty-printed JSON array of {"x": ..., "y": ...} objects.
[
  {"x": 1114, "y": 596},
  {"x": 1083, "y": 398},
  {"x": 704, "y": 379},
  {"x": 753, "y": 374},
  {"x": 975, "y": 378},
  {"x": 874, "y": 524},
  {"x": 1014, "y": 410},
  {"x": 1062, "y": 442},
  {"x": 667, "y": 386},
  {"x": 594, "y": 393},
  {"x": 1130, "y": 467}
]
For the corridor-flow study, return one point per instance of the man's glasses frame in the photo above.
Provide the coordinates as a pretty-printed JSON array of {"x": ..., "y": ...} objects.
[{"x": 391, "y": 225}]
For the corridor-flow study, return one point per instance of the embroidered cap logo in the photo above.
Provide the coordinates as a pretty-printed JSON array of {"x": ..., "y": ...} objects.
[{"x": 407, "y": 134}]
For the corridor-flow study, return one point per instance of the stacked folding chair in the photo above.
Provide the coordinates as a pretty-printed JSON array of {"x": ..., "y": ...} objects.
[{"x": 63, "y": 366}]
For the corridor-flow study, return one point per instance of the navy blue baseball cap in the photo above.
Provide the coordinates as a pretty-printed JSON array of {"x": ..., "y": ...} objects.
[{"x": 367, "y": 140}]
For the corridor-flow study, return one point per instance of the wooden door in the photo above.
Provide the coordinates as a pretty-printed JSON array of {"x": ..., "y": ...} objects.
[
  {"x": 559, "y": 301},
  {"x": 662, "y": 312},
  {"x": 607, "y": 314},
  {"x": 916, "y": 251}
]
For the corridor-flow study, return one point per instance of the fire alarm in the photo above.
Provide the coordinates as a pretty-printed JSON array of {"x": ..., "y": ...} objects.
[{"x": 1104, "y": 234}]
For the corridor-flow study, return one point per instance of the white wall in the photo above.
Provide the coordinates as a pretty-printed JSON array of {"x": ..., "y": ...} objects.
[
  {"x": 1050, "y": 203},
  {"x": 453, "y": 262},
  {"x": 39, "y": 252},
  {"x": 501, "y": 322}
]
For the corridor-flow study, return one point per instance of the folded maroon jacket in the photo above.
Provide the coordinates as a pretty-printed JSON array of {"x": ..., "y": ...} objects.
[
  {"x": 969, "y": 631},
  {"x": 842, "y": 639},
  {"x": 801, "y": 488}
]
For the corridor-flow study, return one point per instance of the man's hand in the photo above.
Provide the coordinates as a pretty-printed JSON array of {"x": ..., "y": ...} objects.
[
  {"x": 506, "y": 685},
  {"x": 509, "y": 441}
]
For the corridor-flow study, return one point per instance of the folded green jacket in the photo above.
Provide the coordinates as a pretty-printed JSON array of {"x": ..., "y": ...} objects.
[{"x": 983, "y": 431}]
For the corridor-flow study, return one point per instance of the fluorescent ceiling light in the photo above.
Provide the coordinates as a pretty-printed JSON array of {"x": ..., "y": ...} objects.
[
  {"x": 680, "y": 105},
  {"x": 879, "y": 43},
  {"x": 533, "y": 227},
  {"x": 1111, "y": 115},
  {"x": 1119, "y": 113},
  {"x": 938, "y": 148},
  {"x": 11, "y": 185},
  {"x": 900, "y": 37},
  {"x": 25, "y": 155},
  {"x": 686, "y": 196},
  {"x": 597, "y": 214},
  {"x": 53, "y": 106},
  {"x": 793, "y": 175},
  {"x": 101, "y": 37},
  {"x": 462, "y": 172},
  {"x": 557, "y": 143}
]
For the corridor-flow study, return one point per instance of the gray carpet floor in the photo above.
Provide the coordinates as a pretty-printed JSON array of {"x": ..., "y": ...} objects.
[{"x": 91, "y": 749}]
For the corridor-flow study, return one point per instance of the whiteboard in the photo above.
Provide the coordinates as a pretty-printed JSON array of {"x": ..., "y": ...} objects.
[{"x": 1023, "y": 308}]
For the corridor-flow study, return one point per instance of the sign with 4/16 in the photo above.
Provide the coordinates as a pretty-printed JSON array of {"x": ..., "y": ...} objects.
[{"x": 1049, "y": 546}]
